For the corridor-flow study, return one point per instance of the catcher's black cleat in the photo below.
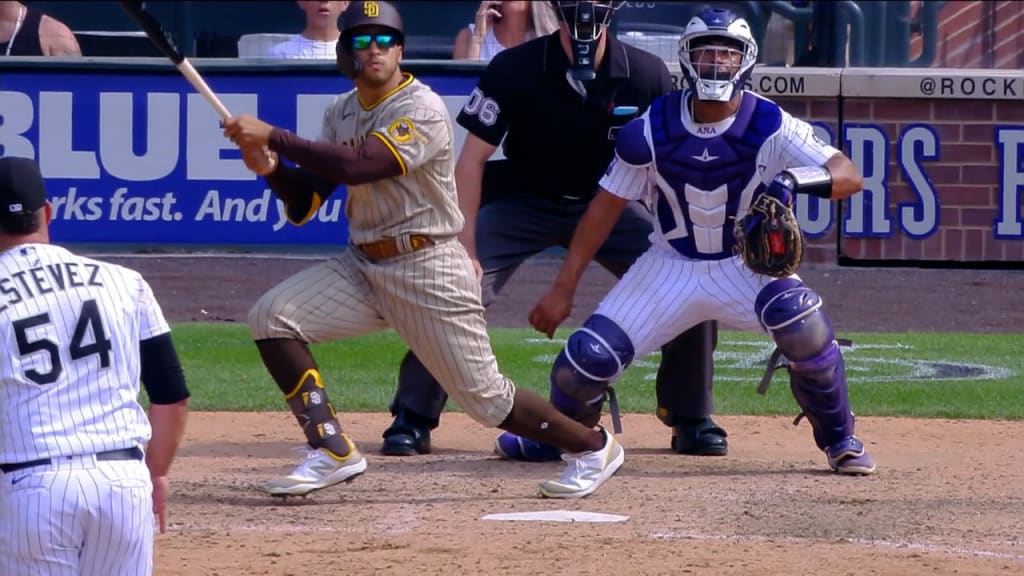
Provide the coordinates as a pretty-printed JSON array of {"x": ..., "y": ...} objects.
[{"x": 699, "y": 437}]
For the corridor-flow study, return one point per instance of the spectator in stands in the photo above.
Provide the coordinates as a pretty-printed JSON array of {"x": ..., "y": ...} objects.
[
  {"x": 501, "y": 25},
  {"x": 318, "y": 39},
  {"x": 28, "y": 32}
]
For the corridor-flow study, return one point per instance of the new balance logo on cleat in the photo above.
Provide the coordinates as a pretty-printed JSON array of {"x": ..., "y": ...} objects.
[{"x": 587, "y": 471}]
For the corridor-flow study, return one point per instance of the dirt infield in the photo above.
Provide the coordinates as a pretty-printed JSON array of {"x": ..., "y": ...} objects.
[{"x": 947, "y": 499}]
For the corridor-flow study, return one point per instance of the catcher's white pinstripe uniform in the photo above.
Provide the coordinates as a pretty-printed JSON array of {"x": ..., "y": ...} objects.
[
  {"x": 431, "y": 297},
  {"x": 69, "y": 385},
  {"x": 678, "y": 290}
]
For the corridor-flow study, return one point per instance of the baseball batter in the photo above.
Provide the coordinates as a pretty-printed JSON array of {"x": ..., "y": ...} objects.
[
  {"x": 75, "y": 495},
  {"x": 706, "y": 153},
  {"x": 390, "y": 142}
]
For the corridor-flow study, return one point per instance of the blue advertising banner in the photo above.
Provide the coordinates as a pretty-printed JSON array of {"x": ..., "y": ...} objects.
[
  {"x": 137, "y": 157},
  {"x": 134, "y": 157}
]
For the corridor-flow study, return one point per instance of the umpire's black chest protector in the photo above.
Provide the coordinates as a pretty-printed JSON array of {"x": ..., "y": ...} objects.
[{"x": 565, "y": 129}]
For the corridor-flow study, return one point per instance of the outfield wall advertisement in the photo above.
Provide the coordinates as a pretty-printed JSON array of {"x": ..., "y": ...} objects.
[
  {"x": 140, "y": 158},
  {"x": 136, "y": 157}
]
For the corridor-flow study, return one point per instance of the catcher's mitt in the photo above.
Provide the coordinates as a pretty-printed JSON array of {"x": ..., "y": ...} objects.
[{"x": 769, "y": 238}]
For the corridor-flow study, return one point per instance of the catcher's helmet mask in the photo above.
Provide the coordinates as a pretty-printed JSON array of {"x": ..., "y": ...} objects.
[
  {"x": 380, "y": 17},
  {"x": 585, "y": 21},
  {"x": 709, "y": 35}
]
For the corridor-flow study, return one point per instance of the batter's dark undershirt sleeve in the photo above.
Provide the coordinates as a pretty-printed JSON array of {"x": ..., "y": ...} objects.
[
  {"x": 296, "y": 187},
  {"x": 338, "y": 163},
  {"x": 161, "y": 372}
]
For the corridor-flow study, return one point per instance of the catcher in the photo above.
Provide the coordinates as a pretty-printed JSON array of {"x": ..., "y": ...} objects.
[{"x": 723, "y": 166}]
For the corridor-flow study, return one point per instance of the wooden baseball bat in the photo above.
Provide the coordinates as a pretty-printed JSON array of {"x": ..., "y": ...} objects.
[{"x": 163, "y": 41}]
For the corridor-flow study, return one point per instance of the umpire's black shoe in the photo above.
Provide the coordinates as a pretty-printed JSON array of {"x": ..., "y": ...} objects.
[
  {"x": 407, "y": 436},
  {"x": 699, "y": 437}
]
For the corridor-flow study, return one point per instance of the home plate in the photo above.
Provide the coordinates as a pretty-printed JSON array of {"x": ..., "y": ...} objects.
[{"x": 556, "y": 516}]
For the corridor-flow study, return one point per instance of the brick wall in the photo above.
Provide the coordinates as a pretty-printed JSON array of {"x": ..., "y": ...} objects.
[
  {"x": 978, "y": 34},
  {"x": 965, "y": 176}
]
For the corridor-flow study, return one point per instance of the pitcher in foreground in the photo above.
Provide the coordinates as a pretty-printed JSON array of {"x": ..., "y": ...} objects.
[
  {"x": 390, "y": 142},
  {"x": 83, "y": 466}
]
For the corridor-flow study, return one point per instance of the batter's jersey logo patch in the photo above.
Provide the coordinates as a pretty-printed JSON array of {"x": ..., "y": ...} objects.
[{"x": 402, "y": 130}]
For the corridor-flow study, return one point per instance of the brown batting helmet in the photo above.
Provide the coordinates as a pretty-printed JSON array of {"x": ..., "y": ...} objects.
[{"x": 364, "y": 14}]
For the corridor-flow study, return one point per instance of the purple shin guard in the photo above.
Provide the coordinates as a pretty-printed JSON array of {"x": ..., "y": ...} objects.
[
  {"x": 819, "y": 387},
  {"x": 792, "y": 313}
]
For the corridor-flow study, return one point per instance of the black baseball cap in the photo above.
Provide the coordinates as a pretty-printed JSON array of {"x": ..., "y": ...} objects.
[{"x": 22, "y": 191}]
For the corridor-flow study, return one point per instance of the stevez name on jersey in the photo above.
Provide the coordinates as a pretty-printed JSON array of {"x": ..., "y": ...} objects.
[
  {"x": 178, "y": 134},
  {"x": 39, "y": 280}
]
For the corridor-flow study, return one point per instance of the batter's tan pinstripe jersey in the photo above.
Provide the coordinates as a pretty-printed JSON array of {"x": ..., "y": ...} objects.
[
  {"x": 430, "y": 297},
  {"x": 414, "y": 123}
]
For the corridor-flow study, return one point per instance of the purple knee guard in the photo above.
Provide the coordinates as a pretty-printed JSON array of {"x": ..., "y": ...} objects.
[
  {"x": 593, "y": 357},
  {"x": 792, "y": 313}
]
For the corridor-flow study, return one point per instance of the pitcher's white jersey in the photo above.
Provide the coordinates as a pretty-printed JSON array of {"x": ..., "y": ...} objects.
[
  {"x": 66, "y": 387},
  {"x": 703, "y": 176}
]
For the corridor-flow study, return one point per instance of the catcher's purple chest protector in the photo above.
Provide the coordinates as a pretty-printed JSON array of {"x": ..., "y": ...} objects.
[{"x": 708, "y": 178}]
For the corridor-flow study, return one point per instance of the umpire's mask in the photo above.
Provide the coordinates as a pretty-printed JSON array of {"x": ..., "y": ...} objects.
[{"x": 586, "y": 22}]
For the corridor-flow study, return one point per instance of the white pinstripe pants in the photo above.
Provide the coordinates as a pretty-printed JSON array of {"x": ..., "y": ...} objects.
[
  {"x": 663, "y": 294},
  {"x": 77, "y": 517}
]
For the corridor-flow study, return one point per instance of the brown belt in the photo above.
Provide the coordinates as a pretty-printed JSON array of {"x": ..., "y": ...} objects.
[{"x": 392, "y": 247}]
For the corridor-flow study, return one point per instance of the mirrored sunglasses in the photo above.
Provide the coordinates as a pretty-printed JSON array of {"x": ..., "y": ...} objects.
[{"x": 383, "y": 41}]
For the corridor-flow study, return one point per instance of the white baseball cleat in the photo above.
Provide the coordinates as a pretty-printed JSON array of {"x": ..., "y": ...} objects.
[
  {"x": 585, "y": 472},
  {"x": 321, "y": 469}
]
